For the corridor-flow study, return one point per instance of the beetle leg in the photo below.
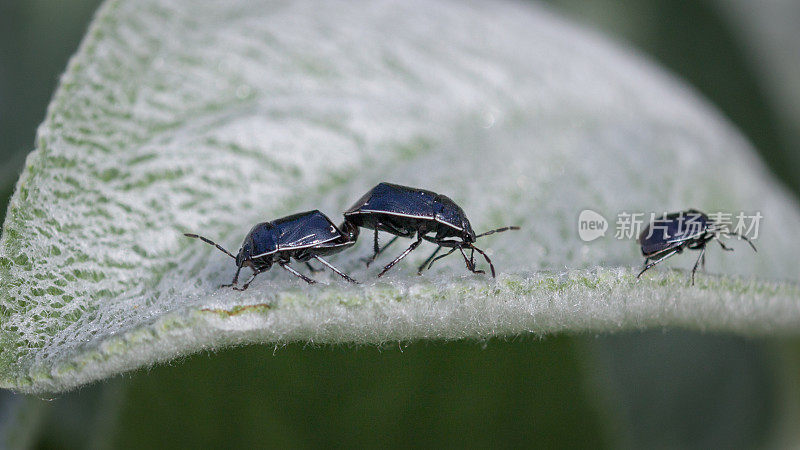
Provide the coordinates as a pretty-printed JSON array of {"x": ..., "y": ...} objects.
[
  {"x": 247, "y": 285},
  {"x": 381, "y": 250},
  {"x": 486, "y": 257},
  {"x": 653, "y": 263},
  {"x": 697, "y": 263},
  {"x": 470, "y": 264},
  {"x": 414, "y": 245},
  {"x": 442, "y": 256},
  {"x": 312, "y": 268},
  {"x": 296, "y": 273},
  {"x": 339, "y": 272},
  {"x": 422, "y": 267},
  {"x": 741, "y": 236},
  {"x": 724, "y": 247},
  {"x": 235, "y": 278},
  {"x": 375, "y": 248}
]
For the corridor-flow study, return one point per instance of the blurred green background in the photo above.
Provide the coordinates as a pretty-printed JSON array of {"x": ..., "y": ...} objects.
[{"x": 649, "y": 389}]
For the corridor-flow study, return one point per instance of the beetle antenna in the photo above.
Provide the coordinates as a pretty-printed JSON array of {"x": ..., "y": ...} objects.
[
  {"x": 499, "y": 230},
  {"x": 210, "y": 242}
]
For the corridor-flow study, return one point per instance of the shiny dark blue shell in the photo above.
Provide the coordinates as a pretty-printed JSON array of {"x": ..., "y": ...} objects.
[
  {"x": 673, "y": 231},
  {"x": 306, "y": 229},
  {"x": 409, "y": 202}
]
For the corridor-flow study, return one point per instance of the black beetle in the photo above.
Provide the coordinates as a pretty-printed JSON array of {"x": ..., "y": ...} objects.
[
  {"x": 676, "y": 231},
  {"x": 405, "y": 211},
  {"x": 300, "y": 236}
]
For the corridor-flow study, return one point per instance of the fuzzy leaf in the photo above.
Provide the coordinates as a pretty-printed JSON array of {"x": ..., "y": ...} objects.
[{"x": 208, "y": 117}]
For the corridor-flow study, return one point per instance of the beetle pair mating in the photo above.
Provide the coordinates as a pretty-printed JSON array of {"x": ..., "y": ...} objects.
[
  {"x": 398, "y": 210},
  {"x": 674, "y": 232}
]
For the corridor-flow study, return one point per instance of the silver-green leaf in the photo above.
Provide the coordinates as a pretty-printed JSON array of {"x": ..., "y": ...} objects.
[{"x": 202, "y": 116}]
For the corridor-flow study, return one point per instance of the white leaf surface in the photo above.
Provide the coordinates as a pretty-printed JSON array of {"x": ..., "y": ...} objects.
[{"x": 208, "y": 117}]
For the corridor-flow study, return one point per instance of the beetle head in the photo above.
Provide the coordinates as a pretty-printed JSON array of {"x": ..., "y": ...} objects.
[
  {"x": 469, "y": 234},
  {"x": 448, "y": 212},
  {"x": 350, "y": 230},
  {"x": 245, "y": 253}
]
